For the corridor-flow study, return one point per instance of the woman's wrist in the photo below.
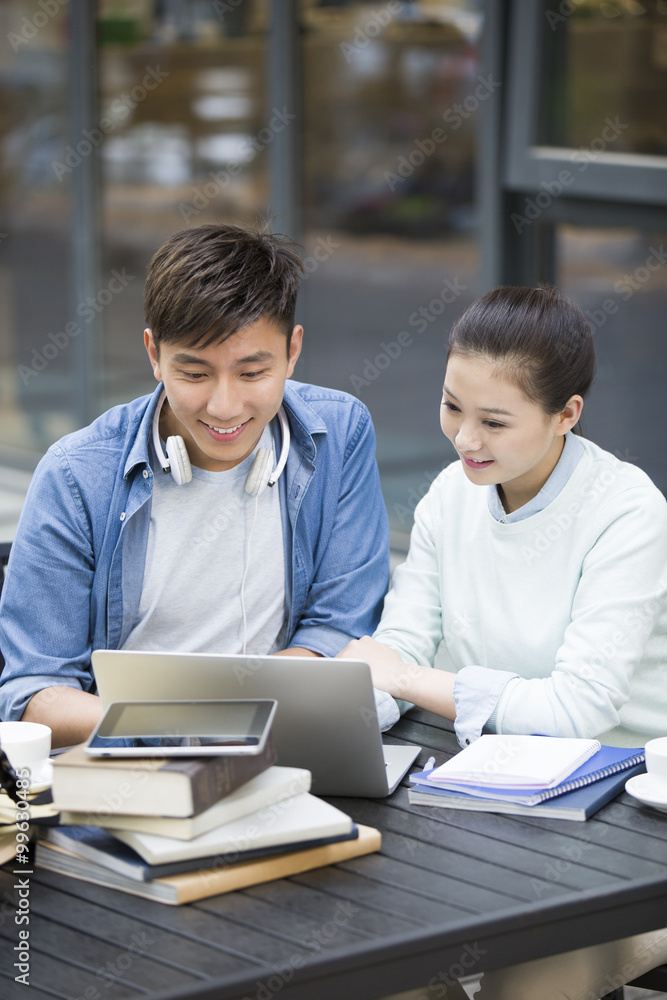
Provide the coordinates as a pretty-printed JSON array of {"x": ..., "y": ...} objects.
[{"x": 431, "y": 689}]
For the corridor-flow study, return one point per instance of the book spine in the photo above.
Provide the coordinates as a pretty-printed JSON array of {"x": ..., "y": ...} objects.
[{"x": 214, "y": 777}]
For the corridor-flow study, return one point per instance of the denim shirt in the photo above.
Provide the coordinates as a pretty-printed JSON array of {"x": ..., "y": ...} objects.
[{"x": 76, "y": 567}]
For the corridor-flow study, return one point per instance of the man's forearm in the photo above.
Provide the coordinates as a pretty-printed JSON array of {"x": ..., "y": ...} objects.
[
  {"x": 70, "y": 713},
  {"x": 296, "y": 651}
]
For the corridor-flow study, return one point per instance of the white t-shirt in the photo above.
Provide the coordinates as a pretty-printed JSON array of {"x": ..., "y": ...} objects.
[{"x": 191, "y": 598}]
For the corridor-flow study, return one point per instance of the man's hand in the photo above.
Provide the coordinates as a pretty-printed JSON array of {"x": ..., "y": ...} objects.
[
  {"x": 430, "y": 689},
  {"x": 70, "y": 713}
]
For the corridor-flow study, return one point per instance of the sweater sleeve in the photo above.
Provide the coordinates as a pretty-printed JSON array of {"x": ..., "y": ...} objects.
[{"x": 618, "y": 601}]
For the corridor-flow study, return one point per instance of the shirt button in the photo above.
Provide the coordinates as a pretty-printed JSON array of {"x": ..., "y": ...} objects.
[
  {"x": 467, "y": 741},
  {"x": 122, "y": 516},
  {"x": 145, "y": 473}
]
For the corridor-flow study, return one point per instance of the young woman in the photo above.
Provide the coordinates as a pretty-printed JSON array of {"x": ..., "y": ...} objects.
[{"x": 537, "y": 569}]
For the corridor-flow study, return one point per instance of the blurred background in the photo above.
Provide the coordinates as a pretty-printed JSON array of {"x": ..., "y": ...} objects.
[{"x": 421, "y": 151}]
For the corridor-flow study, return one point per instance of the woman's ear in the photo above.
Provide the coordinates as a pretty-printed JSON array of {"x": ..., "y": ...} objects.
[{"x": 569, "y": 415}]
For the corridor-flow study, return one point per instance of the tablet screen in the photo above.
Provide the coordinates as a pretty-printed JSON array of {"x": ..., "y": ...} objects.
[{"x": 201, "y": 726}]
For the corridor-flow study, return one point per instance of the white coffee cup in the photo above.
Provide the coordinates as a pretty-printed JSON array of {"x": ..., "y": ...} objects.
[
  {"x": 27, "y": 744},
  {"x": 656, "y": 759}
]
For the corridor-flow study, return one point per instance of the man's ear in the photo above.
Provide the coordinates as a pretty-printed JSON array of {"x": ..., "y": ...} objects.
[
  {"x": 569, "y": 415},
  {"x": 296, "y": 343},
  {"x": 153, "y": 353}
]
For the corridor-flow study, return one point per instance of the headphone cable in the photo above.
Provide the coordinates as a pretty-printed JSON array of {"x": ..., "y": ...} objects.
[{"x": 245, "y": 573}]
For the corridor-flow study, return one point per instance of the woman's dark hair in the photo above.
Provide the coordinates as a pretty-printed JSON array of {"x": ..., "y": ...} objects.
[
  {"x": 208, "y": 282},
  {"x": 538, "y": 338}
]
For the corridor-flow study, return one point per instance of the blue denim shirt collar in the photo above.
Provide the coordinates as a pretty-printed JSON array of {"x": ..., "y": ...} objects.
[{"x": 138, "y": 454}]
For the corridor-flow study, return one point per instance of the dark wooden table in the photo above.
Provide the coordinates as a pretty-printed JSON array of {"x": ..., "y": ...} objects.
[{"x": 451, "y": 893}]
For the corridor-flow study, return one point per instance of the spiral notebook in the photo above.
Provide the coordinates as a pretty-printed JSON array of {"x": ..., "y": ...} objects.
[{"x": 602, "y": 764}]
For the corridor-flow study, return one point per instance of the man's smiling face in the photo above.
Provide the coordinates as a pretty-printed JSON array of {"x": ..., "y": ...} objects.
[{"x": 220, "y": 398}]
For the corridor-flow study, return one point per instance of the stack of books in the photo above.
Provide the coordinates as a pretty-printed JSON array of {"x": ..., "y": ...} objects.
[
  {"x": 183, "y": 828},
  {"x": 529, "y": 776}
]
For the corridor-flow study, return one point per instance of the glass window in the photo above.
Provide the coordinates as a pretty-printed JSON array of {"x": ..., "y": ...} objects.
[
  {"x": 619, "y": 278},
  {"x": 391, "y": 100},
  {"x": 183, "y": 106},
  {"x": 37, "y": 366},
  {"x": 606, "y": 84}
]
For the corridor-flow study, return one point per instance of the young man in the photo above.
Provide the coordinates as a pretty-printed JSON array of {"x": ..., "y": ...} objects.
[{"x": 113, "y": 553}]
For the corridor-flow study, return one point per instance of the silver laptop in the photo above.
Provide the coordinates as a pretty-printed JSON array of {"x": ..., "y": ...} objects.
[{"x": 325, "y": 721}]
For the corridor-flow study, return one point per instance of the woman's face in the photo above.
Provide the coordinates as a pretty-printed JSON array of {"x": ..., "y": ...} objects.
[{"x": 501, "y": 436}]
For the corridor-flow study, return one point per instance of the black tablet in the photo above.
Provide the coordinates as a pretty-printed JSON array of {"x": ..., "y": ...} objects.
[{"x": 183, "y": 728}]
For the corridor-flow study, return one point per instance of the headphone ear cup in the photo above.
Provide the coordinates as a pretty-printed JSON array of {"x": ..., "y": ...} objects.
[
  {"x": 179, "y": 460},
  {"x": 258, "y": 476}
]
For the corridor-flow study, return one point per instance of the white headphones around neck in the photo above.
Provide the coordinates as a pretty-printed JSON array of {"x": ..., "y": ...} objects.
[{"x": 177, "y": 460}]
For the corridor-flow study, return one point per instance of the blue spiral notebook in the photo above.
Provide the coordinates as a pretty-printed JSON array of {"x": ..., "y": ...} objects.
[{"x": 586, "y": 790}]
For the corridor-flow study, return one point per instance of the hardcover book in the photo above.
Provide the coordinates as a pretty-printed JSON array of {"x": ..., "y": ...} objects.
[
  {"x": 273, "y": 785},
  {"x": 155, "y": 786}
]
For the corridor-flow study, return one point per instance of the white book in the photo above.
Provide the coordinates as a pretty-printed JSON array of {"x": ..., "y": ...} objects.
[
  {"x": 303, "y": 817},
  {"x": 273, "y": 785},
  {"x": 528, "y": 762}
]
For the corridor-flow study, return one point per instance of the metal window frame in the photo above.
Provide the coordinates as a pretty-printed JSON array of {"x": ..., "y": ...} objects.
[
  {"x": 614, "y": 190},
  {"x": 86, "y": 210},
  {"x": 613, "y": 176}
]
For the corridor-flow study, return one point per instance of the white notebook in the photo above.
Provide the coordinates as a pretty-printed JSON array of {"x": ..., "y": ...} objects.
[{"x": 516, "y": 761}]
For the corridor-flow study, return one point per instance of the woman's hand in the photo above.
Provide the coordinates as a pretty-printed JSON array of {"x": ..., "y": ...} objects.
[
  {"x": 423, "y": 686},
  {"x": 389, "y": 672}
]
